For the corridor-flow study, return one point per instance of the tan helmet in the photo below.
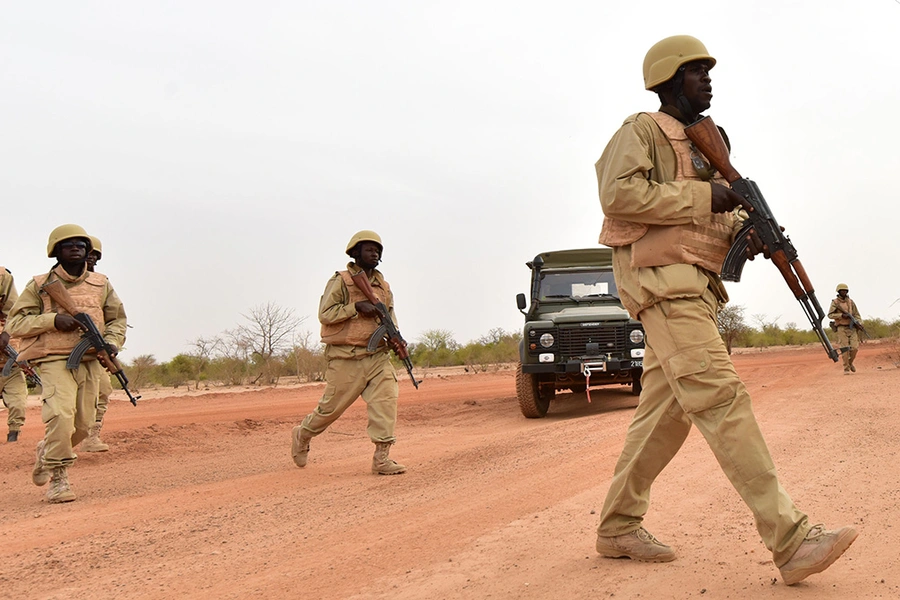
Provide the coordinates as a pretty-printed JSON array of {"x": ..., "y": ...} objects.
[
  {"x": 664, "y": 58},
  {"x": 841, "y": 286},
  {"x": 365, "y": 235},
  {"x": 96, "y": 246},
  {"x": 65, "y": 232}
]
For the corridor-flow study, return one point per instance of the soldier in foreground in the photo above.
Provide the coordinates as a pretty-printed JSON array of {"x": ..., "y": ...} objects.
[
  {"x": 845, "y": 314},
  {"x": 348, "y": 322},
  {"x": 13, "y": 387},
  {"x": 670, "y": 221},
  {"x": 93, "y": 443},
  {"x": 48, "y": 335}
]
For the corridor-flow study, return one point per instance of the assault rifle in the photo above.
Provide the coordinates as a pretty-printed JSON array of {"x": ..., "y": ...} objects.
[
  {"x": 92, "y": 338},
  {"x": 12, "y": 361},
  {"x": 857, "y": 325},
  {"x": 387, "y": 328},
  {"x": 708, "y": 139}
]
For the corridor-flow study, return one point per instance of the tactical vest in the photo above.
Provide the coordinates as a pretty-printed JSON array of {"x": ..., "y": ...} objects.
[
  {"x": 88, "y": 297},
  {"x": 356, "y": 331},
  {"x": 843, "y": 306},
  {"x": 703, "y": 244}
]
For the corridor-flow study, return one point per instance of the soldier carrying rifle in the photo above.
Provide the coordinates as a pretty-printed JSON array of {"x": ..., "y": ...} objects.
[
  {"x": 847, "y": 324},
  {"x": 671, "y": 220}
]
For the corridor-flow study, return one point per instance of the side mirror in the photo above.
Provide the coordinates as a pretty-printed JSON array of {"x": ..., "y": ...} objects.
[{"x": 520, "y": 301}]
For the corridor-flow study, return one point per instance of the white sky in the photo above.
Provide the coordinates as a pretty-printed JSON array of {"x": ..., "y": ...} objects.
[{"x": 225, "y": 152}]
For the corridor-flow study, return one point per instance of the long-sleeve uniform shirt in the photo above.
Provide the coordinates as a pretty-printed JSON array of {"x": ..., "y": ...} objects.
[
  {"x": 335, "y": 307},
  {"x": 636, "y": 176}
]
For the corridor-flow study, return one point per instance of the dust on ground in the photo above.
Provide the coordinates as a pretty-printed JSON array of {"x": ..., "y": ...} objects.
[{"x": 198, "y": 496}]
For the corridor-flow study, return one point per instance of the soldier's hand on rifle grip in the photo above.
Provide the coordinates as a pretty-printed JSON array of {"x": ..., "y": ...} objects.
[
  {"x": 4, "y": 340},
  {"x": 65, "y": 323},
  {"x": 366, "y": 309},
  {"x": 397, "y": 345},
  {"x": 725, "y": 199}
]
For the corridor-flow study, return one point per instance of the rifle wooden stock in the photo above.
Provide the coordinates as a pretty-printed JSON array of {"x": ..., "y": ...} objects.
[
  {"x": 708, "y": 139},
  {"x": 56, "y": 290}
]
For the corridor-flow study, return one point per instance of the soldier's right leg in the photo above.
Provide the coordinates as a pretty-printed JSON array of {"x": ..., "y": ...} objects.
[
  {"x": 344, "y": 382},
  {"x": 656, "y": 433},
  {"x": 844, "y": 341},
  {"x": 59, "y": 398},
  {"x": 15, "y": 397},
  {"x": 685, "y": 336},
  {"x": 93, "y": 443}
]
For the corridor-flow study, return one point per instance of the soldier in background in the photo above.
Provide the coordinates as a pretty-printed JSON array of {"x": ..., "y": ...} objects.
[
  {"x": 93, "y": 443},
  {"x": 348, "y": 321},
  {"x": 13, "y": 387},
  {"x": 842, "y": 308},
  {"x": 69, "y": 397}
]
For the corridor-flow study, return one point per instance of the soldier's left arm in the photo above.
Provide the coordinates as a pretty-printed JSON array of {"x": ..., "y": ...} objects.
[{"x": 114, "y": 318}]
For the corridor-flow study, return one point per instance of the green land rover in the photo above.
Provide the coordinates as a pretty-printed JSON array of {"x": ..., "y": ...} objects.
[{"x": 577, "y": 334}]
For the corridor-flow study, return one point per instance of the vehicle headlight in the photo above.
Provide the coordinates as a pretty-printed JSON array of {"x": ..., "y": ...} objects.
[
  {"x": 636, "y": 336},
  {"x": 547, "y": 340}
]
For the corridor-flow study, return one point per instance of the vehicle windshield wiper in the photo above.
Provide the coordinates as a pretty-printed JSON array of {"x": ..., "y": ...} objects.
[{"x": 601, "y": 296}]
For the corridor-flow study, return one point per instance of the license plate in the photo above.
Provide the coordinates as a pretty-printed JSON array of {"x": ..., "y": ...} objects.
[{"x": 637, "y": 364}]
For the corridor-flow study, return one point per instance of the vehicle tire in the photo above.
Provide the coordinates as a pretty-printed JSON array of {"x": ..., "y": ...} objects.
[
  {"x": 532, "y": 402},
  {"x": 636, "y": 383}
]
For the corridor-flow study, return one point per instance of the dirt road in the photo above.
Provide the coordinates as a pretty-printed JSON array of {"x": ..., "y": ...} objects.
[{"x": 198, "y": 496}]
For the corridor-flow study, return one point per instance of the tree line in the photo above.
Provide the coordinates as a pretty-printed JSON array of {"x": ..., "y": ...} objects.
[{"x": 269, "y": 346}]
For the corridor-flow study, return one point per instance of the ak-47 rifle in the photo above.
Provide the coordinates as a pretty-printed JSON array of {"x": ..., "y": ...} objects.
[
  {"x": 857, "y": 325},
  {"x": 387, "y": 328},
  {"x": 92, "y": 338},
  {"x": 707, "y": 138},
  {"x": 12, "y": 361}
]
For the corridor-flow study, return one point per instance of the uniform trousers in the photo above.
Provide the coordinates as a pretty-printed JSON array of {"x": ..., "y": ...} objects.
[
  {"x": 103, "y": 396},
  {"x": 689, "y": 379},
  {"x": 15, "y": 395},
  {"x": 371, "y": 376},
  {"x": 68, "y": 408},
  {"x": 848, "y": 337}
]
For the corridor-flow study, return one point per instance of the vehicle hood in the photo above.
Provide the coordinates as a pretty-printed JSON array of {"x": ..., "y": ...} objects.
[{"x": 585, "y": 314}]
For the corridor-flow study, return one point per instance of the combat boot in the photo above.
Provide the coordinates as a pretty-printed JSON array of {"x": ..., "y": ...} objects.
[
  {"x": 40, "y": 475},
  {"x": 93, "y": 443},
  {"x": 300, "y": 445},
  {"x": 819, "y": 549},
  {"x": 59, "y": 487},
  {"x": 637, "y": 545},
  {"x": 12, "y": 436},
  {"x": 382, "y": 464}
]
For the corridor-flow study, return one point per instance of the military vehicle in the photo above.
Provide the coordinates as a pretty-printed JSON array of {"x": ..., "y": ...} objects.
[{"x": 577, "y": 334}]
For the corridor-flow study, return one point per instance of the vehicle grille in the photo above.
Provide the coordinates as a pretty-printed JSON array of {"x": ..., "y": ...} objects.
[{"x": 574, "y": 341}]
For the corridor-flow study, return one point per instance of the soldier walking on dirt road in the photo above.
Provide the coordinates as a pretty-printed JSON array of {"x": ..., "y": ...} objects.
[
  {"x": 843, "y": 312},
  {"x": 93, "y": 443},
  {"x": 49, "y": 334},
  {"x": 348, "y": 322},
  {"x": 670, "y": 220}
]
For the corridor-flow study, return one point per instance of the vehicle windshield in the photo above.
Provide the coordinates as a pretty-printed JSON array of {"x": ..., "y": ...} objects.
[{"x": 576, "y": 285}]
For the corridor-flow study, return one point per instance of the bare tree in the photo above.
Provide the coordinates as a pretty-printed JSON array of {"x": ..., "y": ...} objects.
[
  {"x": 731, "y": 324},
  {"x": 204, "y": 349},
  {"x": 269, "y": 331}
]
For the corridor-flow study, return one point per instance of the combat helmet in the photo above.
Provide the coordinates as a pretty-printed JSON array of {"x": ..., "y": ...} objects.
[
  {"x": 664, "y": 58},
  {"x": 96, "y": 246},
  {"x": 841, "y": 286},
  {"x": 66, "y": 232},
  {"x": 365, "y": 235}
]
